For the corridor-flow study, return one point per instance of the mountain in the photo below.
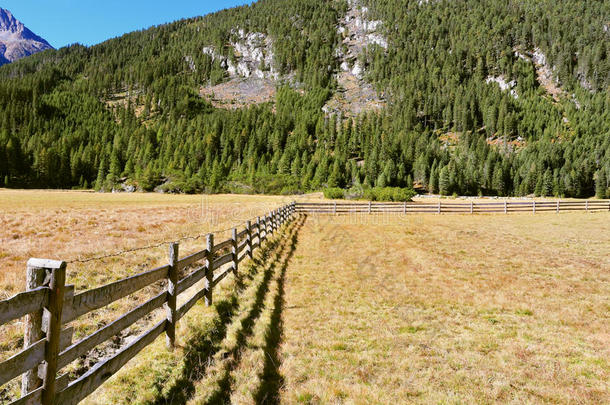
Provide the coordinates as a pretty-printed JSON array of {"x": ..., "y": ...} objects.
[
  {"x": 467, "y": 97},
  {"x": 17, "y": 41}
]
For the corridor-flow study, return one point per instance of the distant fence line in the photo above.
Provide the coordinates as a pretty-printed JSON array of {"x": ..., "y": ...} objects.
[
  {"x": 49, "y": 304},
  {"x": 451, "y": 207}
]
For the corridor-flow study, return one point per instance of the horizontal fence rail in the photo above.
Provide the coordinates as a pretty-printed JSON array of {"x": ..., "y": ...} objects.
[
  {"x": 450, "y": 207},
  {"x": 49, "y": 304}
]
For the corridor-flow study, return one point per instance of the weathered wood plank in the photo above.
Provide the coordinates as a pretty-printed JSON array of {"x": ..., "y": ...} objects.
[
  {"x": 65, "y": 339},
  {"x": 451, "y": 207},
  {"x": 21, "y": 362},
  {"x": 23, "y": 303},
  {"x": 172, "y": 295},
  {"x": 45, "y": 263},
  {"x": 62, "y": 382},
  {"x": 83, "y": 346},
  {"x": 222, "y": 260},
  {"x": 190, "y": 303},
  {"x": 54, "y": 309},
  {"x": 234, "y": 249},
  {"x": 249, "y": 238},
  {"x": 33, "y": 327},
  {"x": 222, "y": 275},
  {"x": 195, "y": 257},
  {"x": 100, "y": 297},
  {"x": 242, "y": 233},
  {"x": 33, "y": 398},
  {"x": 223, "y": 245},
  {"x": 242, "y": 246},
  {"x": 241, "y": 257},
  {"x": 103, "y": 370},
  {"x": 188, "y": 281},
  {"x": 209, "y": 274}
]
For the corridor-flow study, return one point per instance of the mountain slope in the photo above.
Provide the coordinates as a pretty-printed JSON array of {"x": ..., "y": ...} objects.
[
  {"x": 17, "y": 41},
  {"x": 469, "y": 97}
]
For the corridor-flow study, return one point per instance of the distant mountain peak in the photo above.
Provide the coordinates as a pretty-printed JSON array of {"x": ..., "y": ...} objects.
[{"x": 16, "y": 40}]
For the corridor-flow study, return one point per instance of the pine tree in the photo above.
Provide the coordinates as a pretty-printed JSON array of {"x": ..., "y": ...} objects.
[
  {"x": 547, "y": 183},
  {"x": 498, "y": 183},
  {"x": 101, "y": 176},
  {"x": 601, "y": 184},
  {"x": 444, "y": 184}
]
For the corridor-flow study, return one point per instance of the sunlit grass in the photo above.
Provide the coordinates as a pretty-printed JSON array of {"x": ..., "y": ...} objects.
[
  {"x": 67, "y": 225},
  {"x": 449, "y": 309}
]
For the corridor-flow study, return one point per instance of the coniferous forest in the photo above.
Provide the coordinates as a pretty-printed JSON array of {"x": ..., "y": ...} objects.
[{"x": 128, "y": 111}]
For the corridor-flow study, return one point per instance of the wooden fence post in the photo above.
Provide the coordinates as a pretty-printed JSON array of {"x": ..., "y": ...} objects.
[
  {"x": 270, "y": 225},
  {"x": 33, "y": 327},
  {"x": 370, "y": 207},
  {"x": 273, "y": 221},
  {"x": 55, "y": 308},
  {"x": 209, "y": 272},
  {"x": 505, "y": 207},
  {"x": 534, "y": 206},
  {"x": 557, "y": 206},
  {"x": 260, "y": 230},
  {"x": 170, "y": 305},
  {"x": 471, "y": 207},
  {"x": 439, "y": 206},
  {"x": 404, "y": 207},
  {"x": 587, "y": 205},
  {"x": 335, "y": 208},
  {"x": 249, "y": 238},
  {"x": 234, "y": 249},
  {"x": 258, "y": 226}
]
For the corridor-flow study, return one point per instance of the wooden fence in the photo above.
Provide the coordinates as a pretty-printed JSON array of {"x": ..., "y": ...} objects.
[
  {"x": 49, "y": 304},
  {"x": 451, "y": 207}
]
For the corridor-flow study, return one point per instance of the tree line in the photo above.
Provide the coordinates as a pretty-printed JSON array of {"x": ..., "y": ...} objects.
[{"x": 127, "y": 112}]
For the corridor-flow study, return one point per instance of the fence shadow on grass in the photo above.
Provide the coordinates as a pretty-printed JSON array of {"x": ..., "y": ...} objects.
[
  {"x": 206, "y": 339},
  {"x": 222, "y": 395},
  {"x": 271, "y": 380}
]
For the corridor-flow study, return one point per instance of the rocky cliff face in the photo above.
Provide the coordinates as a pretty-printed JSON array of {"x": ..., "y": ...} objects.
[
  {"x": 253, "y": 77},
  {"x": 16, "y": 40}
]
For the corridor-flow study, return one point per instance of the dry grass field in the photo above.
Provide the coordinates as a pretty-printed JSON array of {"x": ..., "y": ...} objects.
[
  {"x": 449, "y": 309},
  {"x": 343, "y": 310},
  {"x": 70, "y": 225}
]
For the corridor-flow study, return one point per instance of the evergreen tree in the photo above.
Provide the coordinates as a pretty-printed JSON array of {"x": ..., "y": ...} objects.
[{"x": 601, "y": 184}]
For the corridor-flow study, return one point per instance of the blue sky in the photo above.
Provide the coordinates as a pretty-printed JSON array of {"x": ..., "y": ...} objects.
[{"x": 64, "y": 22}]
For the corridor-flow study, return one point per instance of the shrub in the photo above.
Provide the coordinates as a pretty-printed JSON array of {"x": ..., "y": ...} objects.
[
  {"x": 369, "y": 194},
  {"x": 355, "y": 192},
  {"x": 385, "y": 194},
  {"x": 389, "y": 194},
  {"x": 333, "y": 193},
  {"x": 403, "y": 194}
]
